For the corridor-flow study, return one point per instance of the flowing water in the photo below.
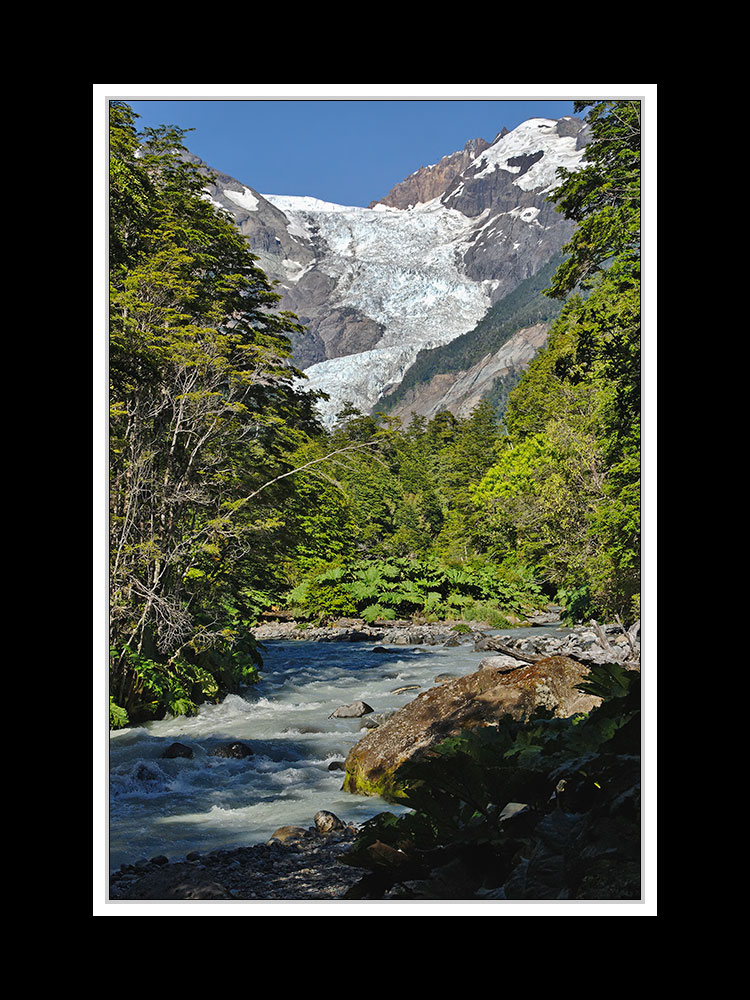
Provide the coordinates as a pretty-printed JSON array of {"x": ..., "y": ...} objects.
[{"x": 174, "y": 806}]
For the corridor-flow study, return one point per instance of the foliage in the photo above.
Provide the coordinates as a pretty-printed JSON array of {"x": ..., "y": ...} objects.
[
  {"x": 118, "y": 717},
  {"x": 152, "y": 688},
  {"x": 381, "y": 590},
  {"x": 204, "y": 415},
  {"x": 563, "y": 495},
  {"x": 573, "y": 789},
  {"x": 576, "y": 602},
  {"x": 229, "y": 501},
  {"x": 603, "y": 197}
]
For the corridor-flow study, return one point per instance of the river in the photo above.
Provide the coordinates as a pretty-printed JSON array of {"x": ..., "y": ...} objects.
[{"x": 170, "y": 807}]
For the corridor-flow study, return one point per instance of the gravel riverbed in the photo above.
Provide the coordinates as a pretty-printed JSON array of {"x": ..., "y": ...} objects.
[{"x": 307, "y": 868}]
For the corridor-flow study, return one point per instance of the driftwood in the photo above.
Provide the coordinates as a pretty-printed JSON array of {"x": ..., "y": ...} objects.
[
  {"x": 500, "y": 647},
  {"x": 616, "y": 654},
  {"x": 630, "y": 635}
]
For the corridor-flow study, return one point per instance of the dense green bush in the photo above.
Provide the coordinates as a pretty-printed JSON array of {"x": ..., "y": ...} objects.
[{"x": 381, "y": 590}]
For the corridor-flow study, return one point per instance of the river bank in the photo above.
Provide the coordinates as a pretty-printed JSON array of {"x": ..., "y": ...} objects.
[
  {"x": 304, "y": 866},
  {"x": 398, "y": 632}
]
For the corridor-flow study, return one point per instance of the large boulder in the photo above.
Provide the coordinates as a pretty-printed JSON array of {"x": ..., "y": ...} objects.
[{"x": 481, "y": 698}]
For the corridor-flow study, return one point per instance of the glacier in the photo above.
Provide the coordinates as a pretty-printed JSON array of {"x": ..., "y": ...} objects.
[
  {"x": 401, "y": 267},
  {"x": 406, "y": 268}
]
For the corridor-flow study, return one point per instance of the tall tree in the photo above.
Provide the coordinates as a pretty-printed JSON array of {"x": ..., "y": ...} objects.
[
  {"x": 604, "y": 198},
  {"x": 204, "y": 411}
]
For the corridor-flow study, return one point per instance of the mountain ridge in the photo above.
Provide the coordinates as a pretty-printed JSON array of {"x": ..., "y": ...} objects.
[
  {"x": 375, "y": 286},
  {"x": 432, "y": 181}
]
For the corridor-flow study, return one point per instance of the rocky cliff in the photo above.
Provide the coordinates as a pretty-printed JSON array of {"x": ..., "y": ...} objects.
[
  {"x": 461, "y": 391},
  {"x": 433, "y": 181}
]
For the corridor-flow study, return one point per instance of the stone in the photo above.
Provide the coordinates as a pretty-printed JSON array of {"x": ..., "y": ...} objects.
[
  {"x": 382, "y": 854},
  {"x": 288, "y": 834},
  {"x": 501, "y": 662},
  {"x": 177, "y": 750},
  {"x": 486, "y": 642},
  {"x": 354, "y": 711},
  {"x": 180, "y": 882},
  {"x": 236, "y": 750},
  {"x": 326, "y": 821},
  {"x": 512, "y": 809},
  {"x": 481, "y": 698}
]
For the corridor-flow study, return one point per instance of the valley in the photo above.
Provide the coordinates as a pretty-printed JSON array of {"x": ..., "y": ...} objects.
[{"x": 339, "y": 434}]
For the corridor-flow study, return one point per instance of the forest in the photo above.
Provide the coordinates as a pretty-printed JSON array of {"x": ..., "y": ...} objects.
[{"x": 230, "y": 502}]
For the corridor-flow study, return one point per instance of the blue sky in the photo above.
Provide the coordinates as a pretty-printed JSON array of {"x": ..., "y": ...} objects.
[{"x": 348, "y": 151}]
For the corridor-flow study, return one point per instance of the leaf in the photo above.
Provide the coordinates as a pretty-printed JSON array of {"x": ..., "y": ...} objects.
[
  {"x": 373, "y": 612},
  {"x": 607, "y": 680}
]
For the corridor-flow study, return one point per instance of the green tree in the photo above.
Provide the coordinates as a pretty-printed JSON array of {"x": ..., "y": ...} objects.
[
  {"x": 203, "y": 415},
  {"x": 564, "y": 495},
  {"x": 604, "y": 198}
]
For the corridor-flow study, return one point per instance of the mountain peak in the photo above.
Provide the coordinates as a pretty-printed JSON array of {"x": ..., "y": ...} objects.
[
  {"x": 375, "y": 286},
  {"x": 432, "y": 181}
]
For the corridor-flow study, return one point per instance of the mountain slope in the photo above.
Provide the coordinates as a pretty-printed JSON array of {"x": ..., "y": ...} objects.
[
  {"x": 375, "y": 286},
  {"x": 457, "y": 375}
]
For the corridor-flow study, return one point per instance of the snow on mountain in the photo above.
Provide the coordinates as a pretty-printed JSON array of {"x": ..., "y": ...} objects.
[
  {"x": 375, "y": 285},
  {"x": 532, "y": 138},
  {"x": 401, "y": 269}
]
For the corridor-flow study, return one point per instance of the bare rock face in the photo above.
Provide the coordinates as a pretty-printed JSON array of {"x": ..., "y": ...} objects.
[
  {"x": 460, "y": 392},
  {"x": 478, "y": 699},
  {"x": 430, "y": 182}
]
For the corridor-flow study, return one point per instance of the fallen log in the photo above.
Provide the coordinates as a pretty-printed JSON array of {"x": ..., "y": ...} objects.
[{"x": 500, "y": 647}]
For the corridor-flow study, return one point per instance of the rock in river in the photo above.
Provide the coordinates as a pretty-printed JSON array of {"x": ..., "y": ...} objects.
[
  {"x": 481, "y": 698},
  {"x": 237, "y": 750},
  {"x": 354, "y": 711},
  {"x": 177, "y": 750}
]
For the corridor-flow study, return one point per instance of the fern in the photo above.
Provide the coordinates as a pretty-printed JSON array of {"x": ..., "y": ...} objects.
[
  {"x": 118, "y": 717},
  {"x": 405, "y": 586},
  {"x": 607, "y": 680},
  {"x": 375, "y": 612}
]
